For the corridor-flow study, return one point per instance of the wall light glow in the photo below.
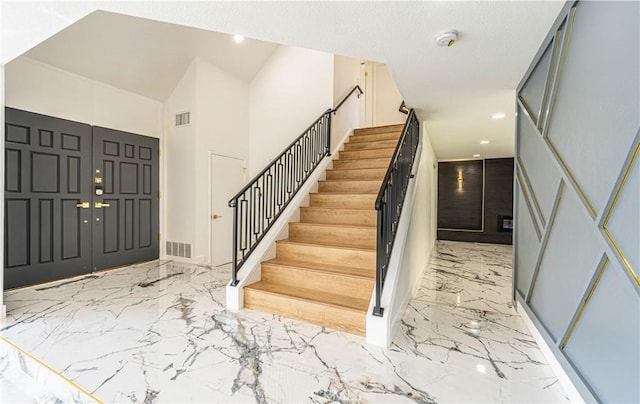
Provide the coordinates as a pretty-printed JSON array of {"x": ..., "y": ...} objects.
[{"x": 238, "y": 38}]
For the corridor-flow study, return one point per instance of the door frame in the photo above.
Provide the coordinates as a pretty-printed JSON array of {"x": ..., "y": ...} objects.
[{"x": 212, "y": 155}]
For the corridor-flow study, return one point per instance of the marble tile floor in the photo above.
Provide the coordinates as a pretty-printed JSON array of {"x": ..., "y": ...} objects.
[{"x": 159, "y": 332}]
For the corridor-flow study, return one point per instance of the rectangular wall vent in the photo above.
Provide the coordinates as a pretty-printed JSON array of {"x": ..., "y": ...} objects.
[
  {"x": 183, "y": 119},
  {"x": 178, "y": 249}
]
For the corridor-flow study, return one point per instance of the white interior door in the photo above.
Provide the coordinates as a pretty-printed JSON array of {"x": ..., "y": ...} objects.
[
  {"x": 227, "y": 177},
  {"x": 366, "y": 106}
]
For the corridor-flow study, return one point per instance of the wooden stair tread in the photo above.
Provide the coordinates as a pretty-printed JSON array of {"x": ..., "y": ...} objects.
[
  {"x": 325, "y": 298},
  {"x": 355, "y": 210},
  {"x": 338, "y": 226},
  {"x": 315, "y": 266},
  {"x": 325, "y": 244},
  {"x": 351, "y": 180}
]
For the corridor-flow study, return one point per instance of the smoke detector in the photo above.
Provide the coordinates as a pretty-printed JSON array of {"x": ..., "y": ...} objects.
[{"x": 447, "y": 38}]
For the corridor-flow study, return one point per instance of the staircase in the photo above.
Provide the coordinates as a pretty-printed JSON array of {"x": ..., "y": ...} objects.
[{"x": 324, "y": 273}]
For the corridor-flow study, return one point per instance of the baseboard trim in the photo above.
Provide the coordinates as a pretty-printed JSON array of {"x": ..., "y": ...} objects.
[{"x": 563, "y": 377}]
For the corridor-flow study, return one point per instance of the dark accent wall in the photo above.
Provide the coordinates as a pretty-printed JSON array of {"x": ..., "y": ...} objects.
[{"x": 461, "y": 205}]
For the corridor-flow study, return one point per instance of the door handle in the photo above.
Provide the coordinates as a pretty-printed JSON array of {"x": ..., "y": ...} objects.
[
  {"x": 99, "y": 205},
  {"x": 214, "y": 216},
  {"x": 83, "y": 205}
]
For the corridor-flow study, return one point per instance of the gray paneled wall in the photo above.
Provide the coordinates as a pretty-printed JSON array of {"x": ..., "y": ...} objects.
[{"x": 577, "y": 207}]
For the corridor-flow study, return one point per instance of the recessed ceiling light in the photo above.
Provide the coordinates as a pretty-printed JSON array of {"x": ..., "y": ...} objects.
[
  {"x": 484, "y": 142},
  {"x": 476, "y": 155},
  {"x": 238, "y": 38},
  {"x": 499, "y": 115}
]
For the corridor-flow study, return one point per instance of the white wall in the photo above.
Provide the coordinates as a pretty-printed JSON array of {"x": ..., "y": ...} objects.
[
  {"x": 294, "y": 88},
  {"x": 222, "y": 127},
  {"x": 219, "y": 107},
  {"x": 38, "y": 87},
  {"x": 346, "y": 75},
  {"x": 386, "y": 98},
  {"x": 179, "y": 156}
]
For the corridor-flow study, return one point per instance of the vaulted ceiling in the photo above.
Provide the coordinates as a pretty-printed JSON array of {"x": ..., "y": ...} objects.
[{"x": 455, "y": 90}]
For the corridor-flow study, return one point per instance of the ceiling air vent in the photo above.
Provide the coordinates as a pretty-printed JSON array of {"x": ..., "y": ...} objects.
[{"x": 183, "y": 119}]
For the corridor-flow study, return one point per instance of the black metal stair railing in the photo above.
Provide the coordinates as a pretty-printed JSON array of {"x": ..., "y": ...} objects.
[
  {"x": 259, "y": 204},
  {"x": 390, "y": 200}
]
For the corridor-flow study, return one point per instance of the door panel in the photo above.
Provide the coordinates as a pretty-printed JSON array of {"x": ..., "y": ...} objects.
[
  {"x": 47, "y": 168},
  {"x": 126, "y": 227},
  {"x": 227, "y": 177}
]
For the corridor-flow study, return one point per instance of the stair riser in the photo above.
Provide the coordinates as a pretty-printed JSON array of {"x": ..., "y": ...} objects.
[
  {"x": 325, "y": 254},
  {"x": 347, "y": 236},
  {"x": 364, "y": 174},
  {"x": 374, "y": 138},
  {"x": 328, "y": 316},
  {"x": 366, "y": 154},
  {"x": 366, "y": 163},
  {"x": 363, "y": 187},
  {"x": 343, "y": 201},
  {"x": 337, "y": 216},
  {"x": 370, "y": 145},
  {"x": 350, "y": 286},
  {"x": 379, "y": 129}
]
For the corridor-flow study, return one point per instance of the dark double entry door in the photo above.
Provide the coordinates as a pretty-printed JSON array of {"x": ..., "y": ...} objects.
[{"x": 78, "y": 198}]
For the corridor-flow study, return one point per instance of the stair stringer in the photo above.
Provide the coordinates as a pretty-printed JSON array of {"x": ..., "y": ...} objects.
[
  {"x": 266, "y": 250},
  {"x": 398, "y": 288}
]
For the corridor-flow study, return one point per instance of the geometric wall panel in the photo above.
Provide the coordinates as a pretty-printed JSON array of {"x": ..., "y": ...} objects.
[
  {"x": 589, "y": 315},
  {"x": 528, "y": 242},
  {"x": 594, "y": 120},
  {"x": 17, "y": 247},
  {"x": 625, "y": 215},
  {"x": 538, "y": 167},
  {"x": 604, "y": 345},
  {"x": 564, "y": 275},
  {"x": 533, "y": 90}
]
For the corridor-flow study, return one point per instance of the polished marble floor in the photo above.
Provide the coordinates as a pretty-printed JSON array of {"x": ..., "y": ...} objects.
[{"x": 159, "y": 332}]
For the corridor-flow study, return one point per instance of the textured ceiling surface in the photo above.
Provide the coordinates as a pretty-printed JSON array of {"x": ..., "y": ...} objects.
[{"x": 455, "y": 90}]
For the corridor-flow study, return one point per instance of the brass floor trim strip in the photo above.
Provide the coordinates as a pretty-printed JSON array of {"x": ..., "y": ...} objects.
[{"x": 49, "y": 368}]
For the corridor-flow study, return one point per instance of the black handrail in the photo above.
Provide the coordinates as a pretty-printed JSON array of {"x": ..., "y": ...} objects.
[
  {"x": 403, "y": 108},
  {"x": 390, "y": 200},
  {"x": 353, "y": 90},
  {"x": 260, "y": 203}
]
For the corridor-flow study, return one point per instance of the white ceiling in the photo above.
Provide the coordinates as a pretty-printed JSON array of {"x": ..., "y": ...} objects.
[
  {"x": 455, "y": 90},
  {"x": 145, "y": 56}
]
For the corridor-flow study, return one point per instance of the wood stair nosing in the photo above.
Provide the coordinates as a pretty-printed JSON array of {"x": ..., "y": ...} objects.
[
  {"x": 380, "y": 162},
  {"x": 363, "y": 154},
  {"x": 356, "y": 174},
  {"x": 379, "y": 129},
  {"x": 333, "y": 234},
  {"x": 321, "y": 280},
  {"x": 364, "y": 186},
  {"x": 395, "y": 136},
  {"x": 342, "y": 200},
  {"x": 372, "y": 145},
  {"x": 315, "y": 214},
  {"x": 335, "y": 316},
  {"x": 357, "y": 257}
]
